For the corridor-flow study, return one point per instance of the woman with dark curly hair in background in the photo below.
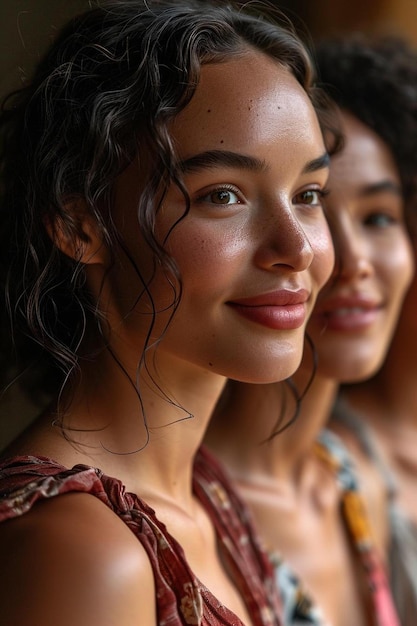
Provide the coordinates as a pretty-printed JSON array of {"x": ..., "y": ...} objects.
[{"x": 375, "y": 82}]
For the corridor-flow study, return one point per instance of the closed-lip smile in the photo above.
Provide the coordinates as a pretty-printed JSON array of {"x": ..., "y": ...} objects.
[{"x": 279, "y": 310}]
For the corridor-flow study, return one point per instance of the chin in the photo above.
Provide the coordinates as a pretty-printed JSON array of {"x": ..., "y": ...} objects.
[
  {"x": 351, "y": 361},
  {"x": 354, "y": 371},
  {"x": 270, "y": 370}
]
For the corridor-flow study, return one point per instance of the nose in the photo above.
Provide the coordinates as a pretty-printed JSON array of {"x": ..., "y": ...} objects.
[
  {"x": 284, "y": 241},
  {"x": 352, "y": 254}
]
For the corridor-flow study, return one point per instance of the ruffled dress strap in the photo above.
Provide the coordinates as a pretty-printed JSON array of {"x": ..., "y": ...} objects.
[
  {"x": 24, "y": 481},
  {"x": 246, "y": 558},
  {"x": 182, "y": 600}
]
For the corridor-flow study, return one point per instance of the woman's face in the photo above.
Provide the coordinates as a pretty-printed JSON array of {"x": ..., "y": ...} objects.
[
  {"x": 357, "y": 311},
  {"x": 254, "y": 249}
]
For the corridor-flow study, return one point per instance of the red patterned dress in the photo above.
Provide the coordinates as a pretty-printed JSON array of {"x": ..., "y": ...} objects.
[{"x": 181, "y": 599}]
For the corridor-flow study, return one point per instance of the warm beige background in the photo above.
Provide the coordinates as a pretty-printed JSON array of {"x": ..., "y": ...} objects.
[
  {"x": 27, "y": 27},
  {"x": 325, "y": 17}
]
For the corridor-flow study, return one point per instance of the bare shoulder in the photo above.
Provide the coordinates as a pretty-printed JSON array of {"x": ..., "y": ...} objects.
[{"x": 71, "y": 560}]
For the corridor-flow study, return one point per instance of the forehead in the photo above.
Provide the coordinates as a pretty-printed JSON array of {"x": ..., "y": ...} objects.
[
  {"x": 246, "y": 100},
  {"x": 365, "y": 157}
]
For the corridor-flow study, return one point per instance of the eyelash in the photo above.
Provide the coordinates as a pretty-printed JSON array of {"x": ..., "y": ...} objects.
[
  {"x": 321, "y": 193},
  {"x": 375, "y": 217},
  {"x": 224, "y": 188}
]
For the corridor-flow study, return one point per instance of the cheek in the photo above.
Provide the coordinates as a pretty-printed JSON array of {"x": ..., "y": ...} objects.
[
  {"x": 324, "y": 255},
  {"x": 207, "y": 254},
  {"x": 397, "y": 266}
]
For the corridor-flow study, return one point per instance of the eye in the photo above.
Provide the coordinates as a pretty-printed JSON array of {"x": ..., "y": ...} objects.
[
  {"x": 312, "y": 197},
  {"x": 380, "y": 220},
  {"x": 223, "y": 195}
]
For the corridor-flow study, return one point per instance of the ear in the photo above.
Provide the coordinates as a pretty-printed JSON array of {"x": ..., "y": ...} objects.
[{"x": 79, "y": 236}]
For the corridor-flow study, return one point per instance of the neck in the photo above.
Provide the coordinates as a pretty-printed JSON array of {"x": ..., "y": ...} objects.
[
  {"x": 241, "y": 428},
  {"x": 389, "y": 399},
  {"x": 145, "y": 433}
]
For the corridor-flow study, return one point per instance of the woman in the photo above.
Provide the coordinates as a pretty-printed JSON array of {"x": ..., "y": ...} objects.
[
  {"x": 377, "y": 417},
  {"x": 163, "y": 229},
  {"x": 299, "y": 481}
]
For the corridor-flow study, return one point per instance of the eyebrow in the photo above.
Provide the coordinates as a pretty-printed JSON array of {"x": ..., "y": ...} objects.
[
  {"x": 225, "y": 158},
  {"x": 320, "y": 163},
  {"x": 381, "y": 187},
  {"x": 216, "y": 158}
]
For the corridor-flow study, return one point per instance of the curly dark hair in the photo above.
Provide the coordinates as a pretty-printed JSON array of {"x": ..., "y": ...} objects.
[
  {"x": 103, "y": 95},
  {"x": 375, "y": 79}
]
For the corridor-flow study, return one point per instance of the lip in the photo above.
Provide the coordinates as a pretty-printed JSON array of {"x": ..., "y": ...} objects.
[
  {"x": 278, "y": 310},
  {"x": 352, "y": 313}
]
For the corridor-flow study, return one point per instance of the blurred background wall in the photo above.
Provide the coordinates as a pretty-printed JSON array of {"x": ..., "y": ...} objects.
[
  {"x": 27, "y": 27},
  {"x": 327, "y": 17}
]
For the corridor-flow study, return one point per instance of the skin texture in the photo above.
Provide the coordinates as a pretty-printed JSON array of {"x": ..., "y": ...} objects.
[
  {"x": 270, "y": 234},
  {"x": 284, "y": 479}
]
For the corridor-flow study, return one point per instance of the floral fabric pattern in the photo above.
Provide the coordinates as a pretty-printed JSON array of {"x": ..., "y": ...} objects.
[
  {"x": 181, "y": 598},
  {"x": 299, "y": 608},
  {"x": 333, "y": 452}
]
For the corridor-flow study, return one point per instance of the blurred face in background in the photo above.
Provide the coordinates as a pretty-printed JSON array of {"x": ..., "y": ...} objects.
[{"x": 357, "y": 311}]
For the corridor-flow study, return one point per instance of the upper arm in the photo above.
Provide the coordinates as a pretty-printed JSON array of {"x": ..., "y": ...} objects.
[{"x": 71, "y": 561}]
